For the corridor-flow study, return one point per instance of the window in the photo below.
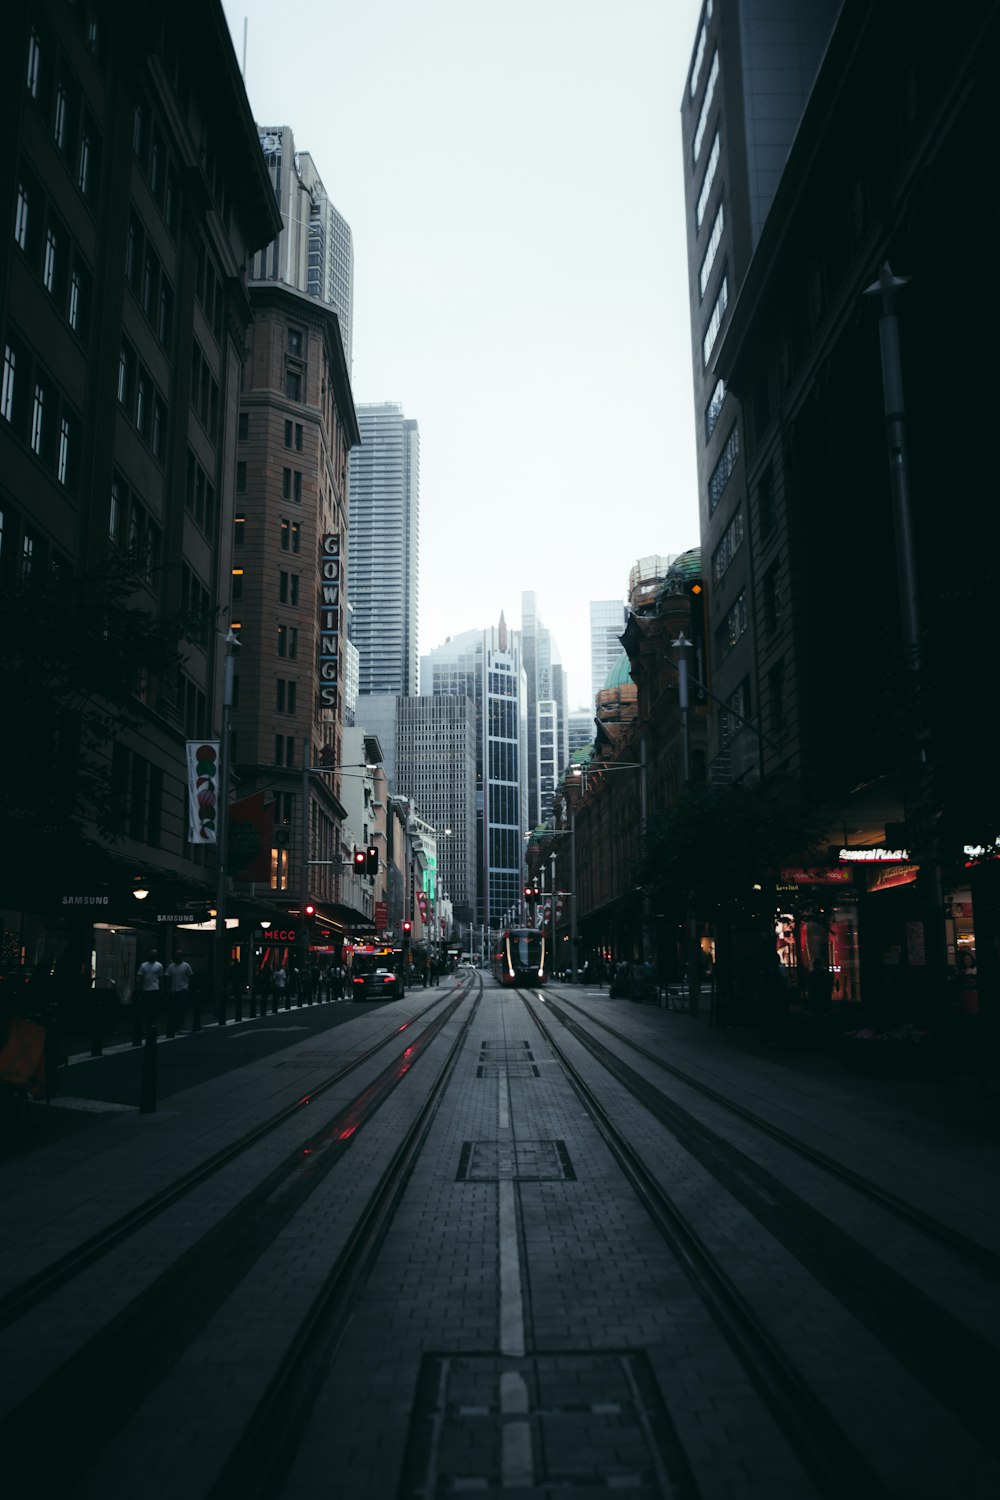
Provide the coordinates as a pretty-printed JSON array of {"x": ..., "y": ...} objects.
[
  {"x": 296, "y": 485},
  {"x": 59, "y": 118},
  {"x": 159, "y": 434},
  {"x": 715, "y": 321},
  {"x": 83, "y": 165},
  {"x": 21, "y": 217},
  {"x": 699, "y": 58},
  {"x": 772, "y": 600},
  {"x": 707, "y": 180},
  {"x": 49, "y": 263},
  {"x": 296, "y": 535},
  {"x": 286, "y": 529},
  {"x": 34, "y": 63},
  {"x": 714, "y": 408},
  {"x": 298, "y": 436},
  {"x": 712, "y": 248},
  {"x": 736, "y": 622},
  {"x": 724, "y": 553},
  {"x": 282, "y": 640},
  {"x": 736, "y": 712},
  {"x": 142, "y": 402},
  {"x": 116, "y": 511},
  {"x": 295, "y": 342},
  {"x": 288, "y": 434},
  {"x": 288, "y": 588},
  {"x": 237, "y": 585},
  {"x": 165, "y": 317},
  {"x": 239, "y": 531},
  {"x": 702, "y": 126},
  {"x": 286, "y": 484},
  {"x": 244, "y": 427},
  {"x": 38, "y": 418},
  {"x": 62, "y": 463},
  {"x": 723, "y": 469},
  {"x": 241, "y": 478},
  {"x": 7, "y": 390},
  {"x": 293, "y": 385},
  {"x": 293, "y": 641}
]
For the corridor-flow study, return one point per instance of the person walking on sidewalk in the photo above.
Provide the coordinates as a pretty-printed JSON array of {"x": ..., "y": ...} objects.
[
  {"x": 280, "y": 983},
  {"x": 179, "y": 976},
  {"x": 150, "y": 976}
]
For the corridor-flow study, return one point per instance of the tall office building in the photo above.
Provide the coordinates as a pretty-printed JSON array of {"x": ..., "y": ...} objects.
[
  {"x": 132, "y": 189},
  {"x": 608, "y": 618},
  {"x": 485, "y": 666},
  {"x": 547, "y": 725},
  {"x": 382, "y": 579},
  {"x": 314, "y": 251},
  {"x": 752, "y": 70}
]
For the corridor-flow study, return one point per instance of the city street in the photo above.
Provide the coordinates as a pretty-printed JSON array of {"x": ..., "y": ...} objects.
[{"x": 516, "y": 1242}]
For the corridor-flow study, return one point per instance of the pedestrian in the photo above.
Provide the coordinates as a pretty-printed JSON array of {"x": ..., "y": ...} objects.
[
  {"x": 280, "y": 983},
  {"x": 150, "y": 976},
  {"x": 772, "y": 999},
  {"x": 179, "y": 976}
]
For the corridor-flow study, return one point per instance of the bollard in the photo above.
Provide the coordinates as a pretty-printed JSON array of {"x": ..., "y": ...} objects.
[
  {"x": 147, "y": 1084},
  {"x": 96, "y": 1029}
]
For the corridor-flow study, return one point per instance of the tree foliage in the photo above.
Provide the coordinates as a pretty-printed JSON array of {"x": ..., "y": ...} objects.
[{"x": 705, "y": 854}]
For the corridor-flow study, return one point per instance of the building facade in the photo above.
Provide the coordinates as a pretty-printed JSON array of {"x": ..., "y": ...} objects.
[
  {"x": 296, "y": 428},
  {"x": 485, "y": 666},
  {"x": 134, "y": 195},
  {"x": 314, "y": 251},
  {"x": 751, "y": 72},
  {"x": 607, "y": 621},
  {"x": 547, "y": 716},
  {"x": 383, "y": 578}
]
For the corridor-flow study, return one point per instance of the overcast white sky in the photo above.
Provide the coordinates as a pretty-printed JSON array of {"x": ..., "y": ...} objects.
[{"x": 513, "y": 178}]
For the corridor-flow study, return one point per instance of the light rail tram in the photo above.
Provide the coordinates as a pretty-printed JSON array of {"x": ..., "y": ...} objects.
[{"x": 521, "y": 958}]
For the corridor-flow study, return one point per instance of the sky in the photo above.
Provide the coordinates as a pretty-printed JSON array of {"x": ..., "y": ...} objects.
[{"x": 513, "y": 178}]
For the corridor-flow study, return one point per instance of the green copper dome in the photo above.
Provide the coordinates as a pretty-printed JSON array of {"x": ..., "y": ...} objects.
[{"x": 620, "y": 674}]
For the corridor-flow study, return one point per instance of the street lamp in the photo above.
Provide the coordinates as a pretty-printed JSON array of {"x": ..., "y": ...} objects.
[{"x": 232, "y": 646}]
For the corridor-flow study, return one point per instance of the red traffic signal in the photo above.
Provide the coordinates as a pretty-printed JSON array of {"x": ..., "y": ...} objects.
[
  {"x": 407, "y": 928},
  {"x": 309, "y": 910},
  {"x": 360, "y": 861}
]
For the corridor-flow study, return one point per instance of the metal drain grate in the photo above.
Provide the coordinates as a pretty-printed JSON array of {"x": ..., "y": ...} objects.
[
  {"x": 515, "y": 1161},
  {"x": 552, "y": 1424},
  {"x": 514, "y": 1059}
]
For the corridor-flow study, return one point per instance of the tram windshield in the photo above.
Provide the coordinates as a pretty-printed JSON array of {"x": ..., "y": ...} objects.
[{"x": 525, "y": 949}]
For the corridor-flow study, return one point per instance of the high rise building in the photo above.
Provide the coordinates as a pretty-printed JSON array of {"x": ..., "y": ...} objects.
[
  {"x": 314, "y": 251},
  {"x": 382, "y": 579},
  {"x": 547, "y": 727},
  {"x": 296, "y": 427},
  {"x": 608, "y": 618},
  {"x": 751, "y": 73},
  {"x": 133, "y": 189},
  {"x": 485, "y": 666}
]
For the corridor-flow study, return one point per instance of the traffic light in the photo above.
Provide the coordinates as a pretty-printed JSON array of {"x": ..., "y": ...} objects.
[
  {"x": 309, "y": 910},
  {"x": 407, "y": 928},
  {"x": 371, "y": 860},
  {"x": 360, "y": 862}
]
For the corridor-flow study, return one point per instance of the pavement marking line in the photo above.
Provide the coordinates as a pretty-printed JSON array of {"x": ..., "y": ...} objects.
[
  {"x": 503, "y": 1099},
  {"x": 517, "y": 1467},
  {"x": 511, "y": 1295}
]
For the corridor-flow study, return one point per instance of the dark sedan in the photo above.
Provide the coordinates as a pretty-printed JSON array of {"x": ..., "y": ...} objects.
[{"x": 376, "y": 984}]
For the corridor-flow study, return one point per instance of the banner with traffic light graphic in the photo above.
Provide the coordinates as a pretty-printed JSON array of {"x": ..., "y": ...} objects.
[{"x": 203, "y": 791}]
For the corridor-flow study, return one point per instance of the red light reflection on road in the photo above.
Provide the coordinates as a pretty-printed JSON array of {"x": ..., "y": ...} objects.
[{"x": 345, "y": 1135}]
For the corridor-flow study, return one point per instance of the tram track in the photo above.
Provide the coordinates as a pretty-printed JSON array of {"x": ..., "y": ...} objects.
[
  {"x": 972, "y": 1251},
  {"x": 137, "y": 1348},
  {"x": 950, "y": 1359},
  {"x": 30, "y": 1292}
]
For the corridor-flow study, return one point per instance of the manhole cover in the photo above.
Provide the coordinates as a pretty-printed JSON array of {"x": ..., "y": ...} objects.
[
  {"x": 518, "y": 1161},
  {"x": 543, "y": 1425}
]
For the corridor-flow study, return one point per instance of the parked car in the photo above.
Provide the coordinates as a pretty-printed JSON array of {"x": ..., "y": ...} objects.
[{"x": 376, "y": 984}]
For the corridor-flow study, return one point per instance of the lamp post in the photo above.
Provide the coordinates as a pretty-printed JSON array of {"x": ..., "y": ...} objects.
[{"x": 232, "y": 646}]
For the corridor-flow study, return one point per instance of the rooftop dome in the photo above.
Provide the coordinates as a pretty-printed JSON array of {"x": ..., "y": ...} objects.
[{"x": 620, "y": 674}]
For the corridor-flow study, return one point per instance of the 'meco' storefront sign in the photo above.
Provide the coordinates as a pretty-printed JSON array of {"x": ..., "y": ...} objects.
[{"x": 329, "y": 620}]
